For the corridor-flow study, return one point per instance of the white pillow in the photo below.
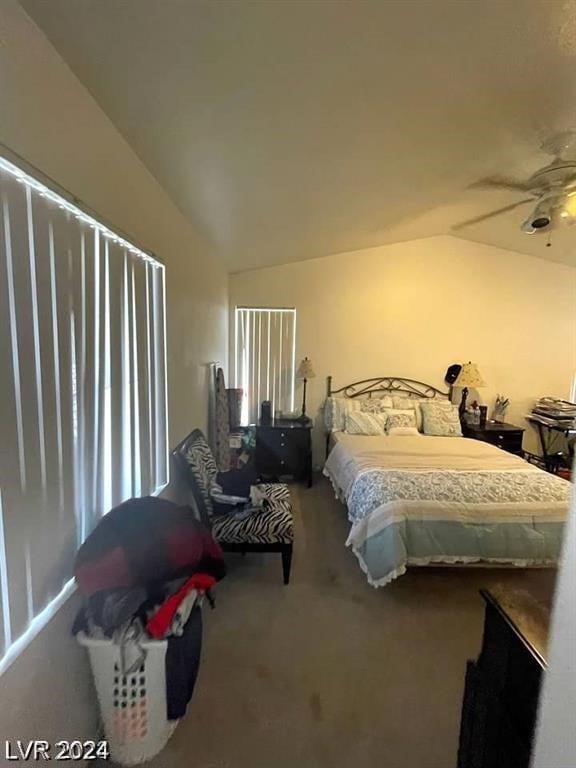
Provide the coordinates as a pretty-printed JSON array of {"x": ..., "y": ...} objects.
[
  {"x": 414, "y": 403},
  {"x": 360, "y": 423},
  {"x": 376, "y": 404},
  {"x": 395, "y": 431},
  {"x": 441, "y": 420},
  {"x": 401, "y": 420},
  {"x": 335, "y": 410},
  {"x": 409, "y": 403}
]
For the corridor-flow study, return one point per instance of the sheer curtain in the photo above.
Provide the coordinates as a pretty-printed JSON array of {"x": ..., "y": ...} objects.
[
  {"x": 264, "y": 366},
  {"x": 83, "y": 405}
]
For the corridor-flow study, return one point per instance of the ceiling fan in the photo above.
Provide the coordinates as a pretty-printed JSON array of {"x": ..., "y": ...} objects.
[{"x": 552, "y": 189}]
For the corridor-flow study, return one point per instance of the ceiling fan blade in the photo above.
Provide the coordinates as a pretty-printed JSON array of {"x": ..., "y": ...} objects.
[
  {"x": 560, "y": 144},
  {"x": 500, "y": 182},
  {"x": 484, "y": 217}
]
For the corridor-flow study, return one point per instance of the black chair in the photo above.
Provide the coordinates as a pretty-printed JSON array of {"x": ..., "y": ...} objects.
[{"x": 271, "y": 529}]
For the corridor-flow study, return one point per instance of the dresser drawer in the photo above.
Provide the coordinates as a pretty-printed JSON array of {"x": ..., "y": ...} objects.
[
  {"x": 278, "y": 439},
  {"x": 280, "y": 453},
  {"x": 503, "y": 685},
  {"x": 508, "y": 441},
  {"x": 283, "y": 451}
]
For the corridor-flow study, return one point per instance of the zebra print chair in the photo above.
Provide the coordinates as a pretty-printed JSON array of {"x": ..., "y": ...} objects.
[{"x": 270, "y": 530}]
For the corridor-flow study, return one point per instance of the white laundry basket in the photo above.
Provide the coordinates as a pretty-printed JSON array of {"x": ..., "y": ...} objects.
[{"x": 133, "y": 706}]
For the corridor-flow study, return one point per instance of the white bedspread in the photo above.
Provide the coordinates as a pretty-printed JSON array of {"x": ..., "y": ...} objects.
[
  {"x": 421, "y": 499},
  {"x": 355, "y": 454}
]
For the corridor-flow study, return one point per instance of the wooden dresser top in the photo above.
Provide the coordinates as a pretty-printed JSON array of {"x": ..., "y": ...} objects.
[{"x": 527, "y": 615}]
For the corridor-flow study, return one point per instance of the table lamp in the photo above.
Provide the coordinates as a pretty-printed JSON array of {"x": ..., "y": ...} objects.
[
  {"x": 469, "y": 376},
  {"x": 304, "y": 372}
]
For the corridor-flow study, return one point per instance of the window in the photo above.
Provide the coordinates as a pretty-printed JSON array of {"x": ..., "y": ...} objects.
[
  {"x": 83, "y": 407},
  {"x": 265, "y": 350}
]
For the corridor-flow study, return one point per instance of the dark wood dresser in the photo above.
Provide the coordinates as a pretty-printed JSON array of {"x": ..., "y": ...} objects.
[
  {"x": 284, "y": 448},
  {"x": 503, "y": 684},
  {"x": 502, "y": 435}
]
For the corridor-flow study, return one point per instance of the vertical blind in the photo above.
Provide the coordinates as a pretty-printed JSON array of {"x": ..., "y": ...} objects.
[
  {"x": 265, "y": 356},
  {"x": 83, "y": 405}
]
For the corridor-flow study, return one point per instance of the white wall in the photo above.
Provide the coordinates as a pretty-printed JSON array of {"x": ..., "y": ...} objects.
[
  {"x": 413, "y": 308},
  {"x": 50, "y": 119},
  {"x": 556, "y": 734},
  {"x": 47, "y": 693}
]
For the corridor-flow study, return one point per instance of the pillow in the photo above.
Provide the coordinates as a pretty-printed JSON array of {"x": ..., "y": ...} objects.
[
  {"x": 335, "y": 410},
  {"x": 441, "y": 420},
  {"x": 401, "y": 420},
  {"x": 376, "y": 404},
  {"x": 411, "y": 404},
  {"x": 414, "y": 404},
  {"x": 360, "y": 423},
  {"x": 395, "y": 431}
]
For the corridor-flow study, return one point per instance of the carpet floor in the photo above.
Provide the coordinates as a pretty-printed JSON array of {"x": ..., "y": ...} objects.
[{"x": 328, "y": 671}]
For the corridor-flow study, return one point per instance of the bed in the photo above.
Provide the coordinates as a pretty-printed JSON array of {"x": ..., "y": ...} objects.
[{"x": 417, "y": 500}]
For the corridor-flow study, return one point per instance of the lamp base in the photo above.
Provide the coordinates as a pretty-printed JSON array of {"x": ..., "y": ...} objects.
[
  {"x": 303, "y": 419},
  {"x": 462, "y": 406}
]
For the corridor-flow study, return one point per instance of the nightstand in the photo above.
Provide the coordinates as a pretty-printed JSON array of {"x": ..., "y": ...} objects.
[
  {"x": 285, "y": 448},
  {"x": 505, "y": 436}
]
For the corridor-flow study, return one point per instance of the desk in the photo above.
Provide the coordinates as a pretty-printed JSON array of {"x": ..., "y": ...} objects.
[{"x": 547, "y": 434}]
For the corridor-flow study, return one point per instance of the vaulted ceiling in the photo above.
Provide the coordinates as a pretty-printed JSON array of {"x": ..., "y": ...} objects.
[{"x": 290, "y": 129}]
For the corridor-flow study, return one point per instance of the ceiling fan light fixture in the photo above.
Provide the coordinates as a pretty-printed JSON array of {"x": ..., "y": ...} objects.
[
  {"x": 569, "y": 206},
  {"x": 539, "y": 219},
  {"x": 553, "y": 189},
  {"x": 528, "y": 229},
  {"x": 541, "y": 222}
]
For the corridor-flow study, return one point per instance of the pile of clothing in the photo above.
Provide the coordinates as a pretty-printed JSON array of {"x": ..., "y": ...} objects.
[
  {"x": 555, "y": 412},
  {"x": 143, "y": 573},
  {"x": 237, "y": 492}
]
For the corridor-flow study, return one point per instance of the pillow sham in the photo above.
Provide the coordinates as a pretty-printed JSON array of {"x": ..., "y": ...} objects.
[
  {"x": 360, "y": 423},
  {"x": 441, "y": 420},
  {"x": 376, "y": 404},
  {"x": 335, "y": 410},
  {"x": 403, "y": 403},
  {"x": 411, "y": 404},
  {"x": 396, "y": 431},
  {"x": 414, "y": 404},
  {"x": 399, "y": 419}
]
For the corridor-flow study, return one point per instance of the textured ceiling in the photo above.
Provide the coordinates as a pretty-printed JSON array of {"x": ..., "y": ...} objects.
[{"x": 287, "y": 130}]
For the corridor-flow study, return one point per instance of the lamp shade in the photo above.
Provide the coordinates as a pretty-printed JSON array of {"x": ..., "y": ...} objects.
[
  {"x": 305, "y": 370},
  {"x": 469, "y": 376}
]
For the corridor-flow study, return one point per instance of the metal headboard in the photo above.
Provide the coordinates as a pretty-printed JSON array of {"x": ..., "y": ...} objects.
[
  {"x": 386, "y": 384},
  {"x": 383, "y": 384}
]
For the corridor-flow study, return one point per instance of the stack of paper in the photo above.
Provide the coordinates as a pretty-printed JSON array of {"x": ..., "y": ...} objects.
[{"x": 555, "y": 412}]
